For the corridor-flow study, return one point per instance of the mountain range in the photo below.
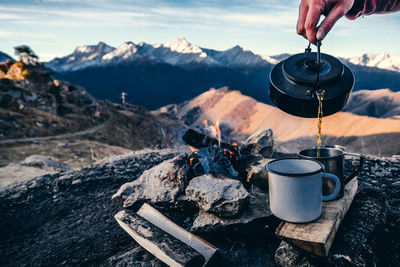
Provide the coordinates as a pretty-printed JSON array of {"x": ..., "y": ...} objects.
[
  {"x": 161, "y": 74},
  {"x": 178, "y": 53},
  {"x": 183, "y": 53}
]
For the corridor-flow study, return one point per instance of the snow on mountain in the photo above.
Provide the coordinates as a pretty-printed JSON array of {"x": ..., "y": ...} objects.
[
  {"x": 382, "y": 61},
  {"x": 182, "y": 53},
  {"x": 82, "y": 57},
  {"x": 181, "y": 45},
  {"x": 177, "y": 53}
]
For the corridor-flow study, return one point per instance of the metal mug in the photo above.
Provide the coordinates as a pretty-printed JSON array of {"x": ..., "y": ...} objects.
[
  {"x": 295, "y": 189},
  {"x": 333, "y": 160}
]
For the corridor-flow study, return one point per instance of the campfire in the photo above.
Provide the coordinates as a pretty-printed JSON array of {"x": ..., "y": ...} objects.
[{"x": 209, "y": 154}]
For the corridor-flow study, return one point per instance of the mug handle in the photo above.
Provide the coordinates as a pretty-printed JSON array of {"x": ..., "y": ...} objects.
[
  {"x": 357, "y": 170},
  {"x": 337, "y": 186}
]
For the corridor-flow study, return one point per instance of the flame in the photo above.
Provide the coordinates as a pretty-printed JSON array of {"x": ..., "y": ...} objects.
[
  {"x": 218, "y": 132},
  {"x": 232, "y": 153},
  {"x": 194, "y": 150},
  {"x": 191, "y": 161}
]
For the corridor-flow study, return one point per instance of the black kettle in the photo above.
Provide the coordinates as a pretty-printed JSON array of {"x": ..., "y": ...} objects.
[{"x": 296, "y": 81}]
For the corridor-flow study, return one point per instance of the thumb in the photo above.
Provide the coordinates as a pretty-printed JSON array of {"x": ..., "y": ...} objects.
[{"x": 326, "y": 25}]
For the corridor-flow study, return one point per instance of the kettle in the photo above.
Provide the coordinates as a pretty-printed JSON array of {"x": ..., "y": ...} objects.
[{"x": 296, "y": 81}]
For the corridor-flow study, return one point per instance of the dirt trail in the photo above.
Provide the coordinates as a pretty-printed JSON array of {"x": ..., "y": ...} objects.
[{"x": 60, "y": 136}]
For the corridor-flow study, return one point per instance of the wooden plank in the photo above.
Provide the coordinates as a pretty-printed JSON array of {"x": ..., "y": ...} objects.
[
  {"x": 317, "y": 237},
  {"x": 200, "y": 245},
  {"x": 162, "y": 245}
]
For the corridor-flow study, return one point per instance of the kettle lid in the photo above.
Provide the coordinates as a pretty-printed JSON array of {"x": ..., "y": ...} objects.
[{"x": 304, "y": 68}]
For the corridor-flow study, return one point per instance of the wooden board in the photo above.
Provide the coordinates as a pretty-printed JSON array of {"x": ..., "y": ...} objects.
[
  {"x": 200, "y": 245},
  {"x": 317, "y": 237},
  {"x": 162, "y": 245}
]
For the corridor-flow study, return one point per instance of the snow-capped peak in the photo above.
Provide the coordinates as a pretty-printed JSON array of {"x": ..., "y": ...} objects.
[
  {"x": 382, "y": 60},
  {"x": 181, "y": 45},
  {"x": 100, "y": 48},
  {"x": 124, "y": 51},
  {"x": 83, "y": 56}
]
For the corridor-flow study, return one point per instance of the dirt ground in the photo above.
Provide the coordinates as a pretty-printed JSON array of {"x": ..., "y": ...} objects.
[{"x": 77, "y": 153}]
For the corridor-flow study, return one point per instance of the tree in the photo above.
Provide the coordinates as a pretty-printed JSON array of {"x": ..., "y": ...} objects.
[{"x": 26, "y": 54}]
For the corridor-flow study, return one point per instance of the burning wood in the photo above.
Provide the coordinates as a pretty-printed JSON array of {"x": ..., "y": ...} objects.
[
  {"x": 199, "y": 140},
  {"x": 211, "y": 155}
]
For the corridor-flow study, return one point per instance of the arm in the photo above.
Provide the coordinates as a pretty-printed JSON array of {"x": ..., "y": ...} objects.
[{"x": 368, "y": 7}]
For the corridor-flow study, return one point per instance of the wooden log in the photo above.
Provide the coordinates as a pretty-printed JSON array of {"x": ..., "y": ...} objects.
[
  {"x": 199, "y": 140},
  {"x": 209, "y": 251},
  {"x": 162, "y": 245},
  {"x": 317, "y": 237}
]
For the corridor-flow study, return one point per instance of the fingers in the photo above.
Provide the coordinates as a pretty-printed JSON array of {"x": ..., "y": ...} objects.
[
  {"x": 313, "y": 15},
  {"x": 302, "y": 18},
  {"x": 334, "y": 15}
]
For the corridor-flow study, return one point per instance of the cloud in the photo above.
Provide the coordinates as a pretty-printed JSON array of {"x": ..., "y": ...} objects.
[{"x": 160, "y": 16}]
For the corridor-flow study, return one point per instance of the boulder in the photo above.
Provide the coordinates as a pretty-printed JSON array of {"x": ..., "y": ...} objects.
[
  {"x": 33, "y": 166},
  {"x": 15, "y": 72},
  {"x": 45, "y": 162},
  {"x": 258, "y": 211},
  {"x": 223, "y": 196},
  {"x": 161, "y": 184},
  {"x": 257, "y": 173},
  {"x": 261, "y": 142}
]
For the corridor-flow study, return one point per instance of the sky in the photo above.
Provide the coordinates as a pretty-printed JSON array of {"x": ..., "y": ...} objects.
[{"x": 54, "y": 28}]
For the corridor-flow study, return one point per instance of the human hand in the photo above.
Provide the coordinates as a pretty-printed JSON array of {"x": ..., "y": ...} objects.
[{"x": 310, "y": 12}]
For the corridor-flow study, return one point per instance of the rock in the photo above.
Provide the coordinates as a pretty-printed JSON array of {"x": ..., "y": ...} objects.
[
  {"x": 2, "y": 74},
  {"x": 261, "y": 142},
  {"x": 258, "y": 211},
  {"x": 162, "y": 184},
  {"x": 221, "y": 196},
  {"x": 15, "y": 71},
  {"x": 33, "y": 166},
  {"x": 43, "y": 161},
  {"x": 257, "y": 173},
  {"x": 286, "y": 255}
]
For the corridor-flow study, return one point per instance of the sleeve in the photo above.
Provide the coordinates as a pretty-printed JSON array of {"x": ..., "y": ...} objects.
[{"x": 368, "y": 7}]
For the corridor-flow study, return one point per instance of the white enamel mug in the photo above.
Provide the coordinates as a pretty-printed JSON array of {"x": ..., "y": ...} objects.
[{"x": 295, "y": 189}]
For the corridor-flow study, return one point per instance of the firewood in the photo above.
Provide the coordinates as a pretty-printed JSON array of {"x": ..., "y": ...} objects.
[
  {"x": 162, "y": 245},
  {"x": 317, "y": 237},
  {"x": 209, "y": 251},
  {"x": 199, "y": 140}
]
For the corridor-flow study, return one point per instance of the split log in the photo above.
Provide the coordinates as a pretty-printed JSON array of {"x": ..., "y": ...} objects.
[
  {"x": 209, "y": 251},
  {"x": 199, "y": 140},
  {"x": 162, "y": 245},
  {"x": 317, "y": 237}
]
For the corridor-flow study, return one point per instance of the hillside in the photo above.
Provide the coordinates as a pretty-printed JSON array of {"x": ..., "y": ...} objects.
[
  {"x": 35, "y": 109},
  {"x": 242, "y": 115},
  {"x": 378, "y": 103}
]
